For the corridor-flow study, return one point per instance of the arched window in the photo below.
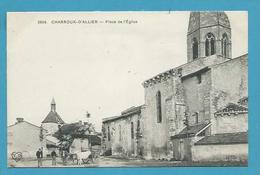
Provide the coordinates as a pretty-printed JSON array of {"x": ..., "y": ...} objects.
[
  {"x": 210, "y": 45},
  {"x": 224, "y": 45},
  {"x": 195, "y": 48},
  {"x": 159, "y": 107}
]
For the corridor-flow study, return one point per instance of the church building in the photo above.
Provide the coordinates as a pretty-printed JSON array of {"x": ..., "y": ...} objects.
[
  {"x": 52, "y": 121},
  {"x": 180, "y": 104},
  {"x": 198, "y": 111}
]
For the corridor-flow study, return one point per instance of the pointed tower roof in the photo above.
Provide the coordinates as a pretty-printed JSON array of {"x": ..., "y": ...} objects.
[
  {"x": 53, "y": 116},
  {"x": 207, "y": 19}
]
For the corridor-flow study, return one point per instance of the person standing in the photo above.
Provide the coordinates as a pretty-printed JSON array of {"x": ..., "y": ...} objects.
[
  {"x": 39, "y": 156},
  {"x": 64, "y": 157},
  {"x": 53, "y": 156}
]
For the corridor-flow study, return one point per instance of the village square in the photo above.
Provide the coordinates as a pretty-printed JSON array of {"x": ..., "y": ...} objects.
[{"x": 195, "y": 114}]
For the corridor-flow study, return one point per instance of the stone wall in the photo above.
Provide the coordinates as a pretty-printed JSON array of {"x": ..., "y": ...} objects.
[
  {"x": 231, "y": 123},
  {"x": 229, "y": 84},
  {"x": 232, "y": 152}
]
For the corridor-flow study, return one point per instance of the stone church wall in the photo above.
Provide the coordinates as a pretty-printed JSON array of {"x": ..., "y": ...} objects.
[
  {"x": 197, "y": 96},
  {"x": 156, "y": 134}
]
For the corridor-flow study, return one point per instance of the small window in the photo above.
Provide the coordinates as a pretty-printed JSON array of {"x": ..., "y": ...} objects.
[
  {"x": 132, "y": 130},
  {"x": 199, "y": 78},
  {"x": 196, "y": 115}
]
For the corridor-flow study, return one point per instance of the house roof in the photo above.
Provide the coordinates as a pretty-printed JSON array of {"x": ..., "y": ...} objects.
[
  {"x": 231, "y": 108},
  {"x": 53, "y": 117},
  {"x": 192, "y": 131},
  {"x": 27, "y": 123},
  {"x": 128, "y": 112},
  {"x": 226, "y": 138}
]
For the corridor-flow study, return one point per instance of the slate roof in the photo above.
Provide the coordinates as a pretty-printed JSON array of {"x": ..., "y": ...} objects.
[
  {"x": 191, "y": 132},
  {"x": 231, "y": 108},
  {"x": 53, "y": 117},
  {"x": 222, "y": 139},
  {"x": 130, "y": 111}
]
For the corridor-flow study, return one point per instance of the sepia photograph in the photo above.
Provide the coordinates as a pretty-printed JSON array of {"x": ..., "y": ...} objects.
[{"x": 127, "y": 89}]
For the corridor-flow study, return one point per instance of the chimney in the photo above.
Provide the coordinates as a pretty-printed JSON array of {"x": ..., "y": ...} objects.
[{"x": 19, "y": 120}]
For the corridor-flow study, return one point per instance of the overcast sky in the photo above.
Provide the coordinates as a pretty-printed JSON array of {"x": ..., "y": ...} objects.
[{"x": 94, "y": 67}]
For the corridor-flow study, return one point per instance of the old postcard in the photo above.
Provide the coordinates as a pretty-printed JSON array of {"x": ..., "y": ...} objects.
[{"x": 127, "y": 89}]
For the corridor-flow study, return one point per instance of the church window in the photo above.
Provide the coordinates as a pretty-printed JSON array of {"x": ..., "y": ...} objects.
[
  {"x": 224, "y": 45},
  {"x": 132, "y": 130},
  {"x": 210, "y": 45},
  {"x": 108, "y": 133},
  {"x": 195, "y": 48},
  {"x": 159, "y": 107}
]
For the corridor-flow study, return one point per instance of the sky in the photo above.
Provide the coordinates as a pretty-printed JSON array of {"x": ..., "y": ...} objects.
[{"x": 94, "y": 67}]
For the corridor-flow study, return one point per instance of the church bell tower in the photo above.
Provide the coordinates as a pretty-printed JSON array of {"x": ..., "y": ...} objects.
[{"x": 209, "y": 33}]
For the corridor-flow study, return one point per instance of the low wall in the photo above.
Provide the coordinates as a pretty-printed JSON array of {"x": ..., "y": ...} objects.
[{"x": 232, "y": 152}]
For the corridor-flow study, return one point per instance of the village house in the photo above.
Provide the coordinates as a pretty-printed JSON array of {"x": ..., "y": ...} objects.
[
  {"x": 122, "y": 134},
  {"x": 196, "y": 111},
  {"x": 25, "y": 138}
]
